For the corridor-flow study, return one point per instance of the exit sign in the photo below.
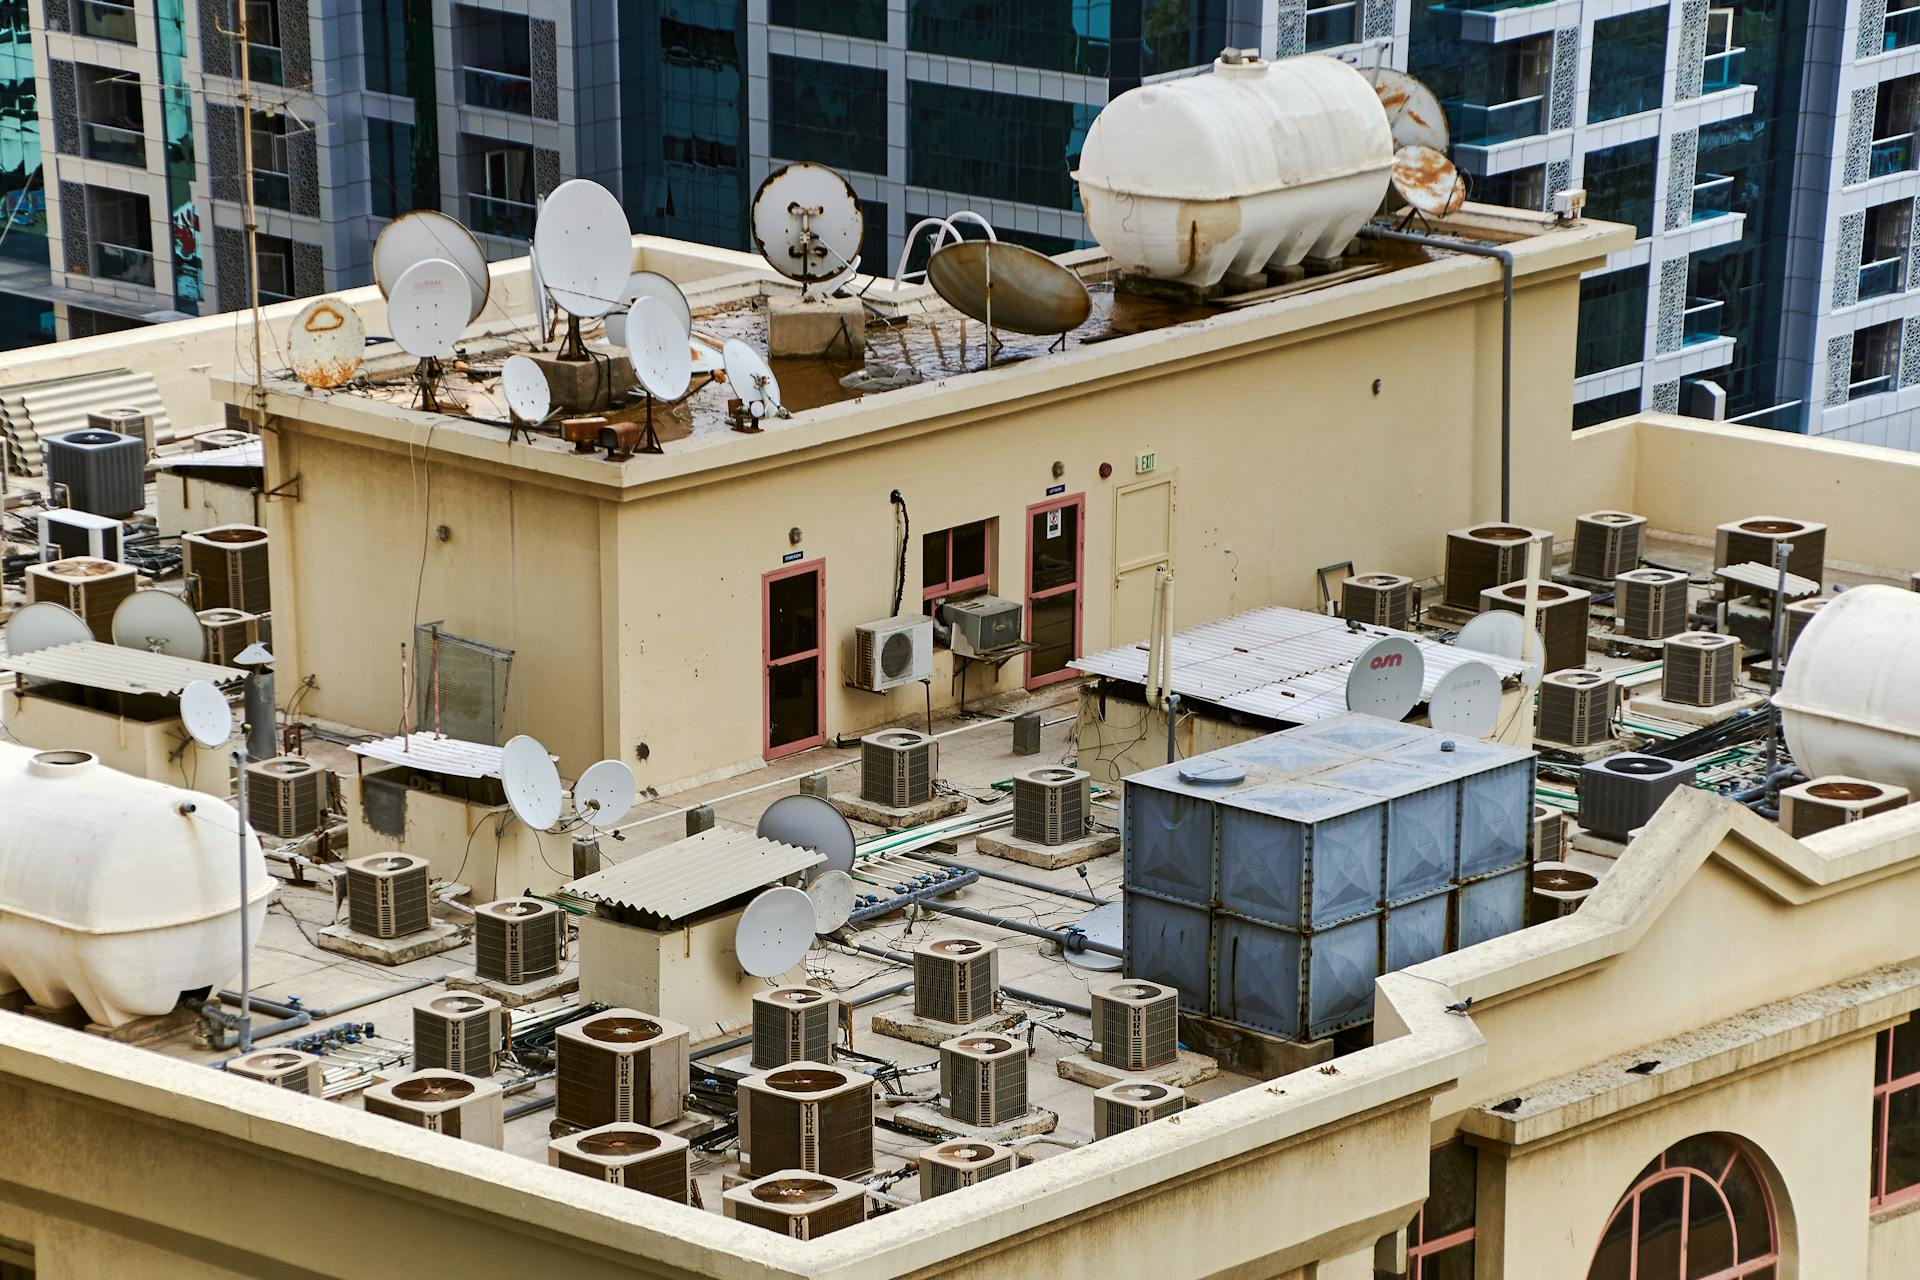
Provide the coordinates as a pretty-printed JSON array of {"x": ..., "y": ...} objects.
[{"x": 1144, "y": 463}]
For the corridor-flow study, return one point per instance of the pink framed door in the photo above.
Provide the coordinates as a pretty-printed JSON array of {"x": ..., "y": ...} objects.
[
  {"x": 1056, "y": 546},
  {"x": 794, "y": 694}
]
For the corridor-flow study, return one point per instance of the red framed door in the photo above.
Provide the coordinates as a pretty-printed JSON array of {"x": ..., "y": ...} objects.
[
  {"x": 794, "y": 701},
  {"x": 1056, "y": 546}
]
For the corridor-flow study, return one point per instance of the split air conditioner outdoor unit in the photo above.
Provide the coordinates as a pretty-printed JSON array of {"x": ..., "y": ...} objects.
[
  {"x": 102, "y": 471},
  {"x": 387, "y": 895},
  {"x": 65, "y": 532},
  {"x": 1620, "y": 794},
  {"x": 1576, "y": 707},
  {"x": 1128, "y": 1104},
  {"x": 1051, "y": 804},
  {"x": 222, "y": 438},
  {"x": 1547, "y": 835},
  {"x": 126, "y": 421},
  {"x": 796, "y": 1203},
  {"x": 892, "y": 652},
  {"x": 286, "y": 796},
  {"x": 983, "y": 624},
  {"x": 1558, "y": 890},
  {"x": 283, "y": 1068},
  {"x": 1834, "y": 801},
  {"x": 229, "y": 562},
  {"x": 1561, "y": 613},
  {"x": 1137, "y": 1024},
  {"x": 897, "y": 767},
  {"x": 949, "y": 1166},
  {"x": 620, "y": 1067},
  {"x": 1752, "y": 541},
  {"x": 459, "y": 1032},
  {"x": 627, "y": 1155},
  {"x": 984, "y": 1078},
  {"x": 443, "y": 1102},
  {"x": 1606, "y": 544},
  {"x": 1378, "y": 600},
  {"x": 228, "y": 633},
  {"x": 91, "y": 588},
  {"x": 806, "y": 1115},
  {"x": 1698, "y": 668},
  {"x": 1488, "y": 556},
  {"x": 1650, "y": 604},
  {"x": 518, "y": 940},
  {"x": 793, "y": 1024},
  {"x": 1799, "y": 614},
  {"x": 955, "y": 980}
]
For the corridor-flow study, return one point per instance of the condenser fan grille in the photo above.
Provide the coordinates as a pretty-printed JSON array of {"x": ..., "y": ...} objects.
[
  {"x": 626, "y": 1142},
  {"x": 956, "y": 947},
  {"x": 621, "y": 1030},
  {"x": 1143, "y": 1093},
  {"x": 793, "y": 1191},
  {"x": 432, "y": 1090},
  {"x": 805, "y": 1081},
  {"x": 896, "y": 655}
]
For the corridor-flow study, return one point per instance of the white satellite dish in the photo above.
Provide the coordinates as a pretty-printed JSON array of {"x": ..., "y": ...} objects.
[
  {"x": 327, "y": 343},
  {"x": 603, "y": 794},
  {"x": 832, "y": 896},
  {"x": 160, "y": 622},
  {"x": 808, "y": 822},
  {"x": 585, "y": 248},
  {"x": 43, "y": 625},
  {"x": 1502, "y": 633},
  {"x": 659, "y": 351},
  {"x": 1414, "y": 113},
  {"x": 651, "y": 284},
  {"x": 427, "y": 310},
  {"x": 706, "y": 357},
  {"x": 1466, "y": 701},
  {"x": 752, "y": 380},
  {"x": 529, "y": 398},
  {"x": 807, "y": 223},
  {"x": 1385, "y": 680},
  {"x": 428, "y": 233},
  {"x": 531, "y": 782},
  {"x": 774, "y": 932},
  {"x": 204, "y": 710}
]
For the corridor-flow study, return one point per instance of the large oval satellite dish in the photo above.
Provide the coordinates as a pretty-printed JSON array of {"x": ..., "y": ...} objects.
[
  {"x": 808, "y": 822},
  {"x": 1386, "y": 679},
  {"x": 1502, "y": 633},
  {"x": 160, "y": 622},
  {"x": 832, "y": 895},
  {"x": 706, "y": 357},
  {"x": 531, "y": 782},
  {"x": 1009, "y": 286},
  {"x": 1428, "y": 182},
  {"x": 428, "y": 309},
  {"x": 658, "y": 349},
  {"x": 585, "y": 248},
  {"x": 807, "y": 222},
  {"x": 428, "y": 233},
  {"x": 774, "y": 932},
  {"x": 604, "y": 793},
  {"x": 529, "y": 398},
  {"x": 1466, "y": 701},
  {"x": 327, "y": 343},
  {"x": 1414, "y": 114},
  {"x": 43, "y": 625},
  {"x": 205, "y": 713},
  {"x": 651, "y": 284},
  {"x": 751, "y": 379}
]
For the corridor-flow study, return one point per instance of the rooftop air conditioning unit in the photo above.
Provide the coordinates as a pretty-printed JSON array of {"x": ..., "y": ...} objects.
[
  {"x": 1128, "y": 1104},
  {"x": 796, "y": 1203},
  {"x": 1620, "y": 794},
  {"x": 222, "y": 438},
  {"x": 897, "y": 767},
  {"x": 955, "y": 980},
  {"x": 459, "y": 1032},
  {"x": 983, "y": 624},
  {"x": 518, "y": 940},
  {"x": 627, "y": 1155},
  {"x": 283, "y": 1068},
  {"x": 387, "y": 895},
  {"x": 984, "y": 1078},
  {"x": 1490, "y": 555},
  {"x": 1606, "y": 544},
  {"x": 91, "y": 588},
  {"x": 228, "y": 633},
  {"x": 442, "y": 1102},
  {"x": 230, "y": 563},
  {"x": 1576, "y": 707},
  {"x": 1547, "y": 835},
  {"x": 126, "y": 421},
  {"x": 65, "y": 533},
  {"x": 1799, "y": 614},
  {"x": 286, "y": 796},
  {"x": 892, "y": 652},
  {"x": 1558, "y": 890},
  {"x": 1051, "y": 804},
  {"x": 102, "y": 471},
  {"x": 1378, "y": 600},
  {"x": 1834, "y": 801},
  {"x": 806, "y": 1115},
  {"x": 1137, "y": 1024},
  {"x": 1561, "y": 614},
  {"x": 793, "y": 1024},
  {"x": 1698, "y": 668},
  {"x": 620, "y": 1067},
  {"x": 1650, "y": 604},
  {"x": 959, "y": 1163},
  {"x": 1752, "y": 541}
]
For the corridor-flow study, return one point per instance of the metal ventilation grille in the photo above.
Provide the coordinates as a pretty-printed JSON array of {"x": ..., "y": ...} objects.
[
  {"x": 1606, "y": 544},
  {"x": 1620, "y": 794},
  {"x": 803, "y": 1226},
  {"x": 953, "y": 989},
  {"x": 1487, "y": 556},
  {"x": 91, "y": 588},
  {"x": 228, "y": 631},
  {"x": 460, "y": 685},
  {"x": 1651, "y": 604},
  {"x": 785, "y": 1033},
  {"x": 1698, "y": 670},
  {"x": 1377, "y": 600},
  {"x": 830, "y": 1135},
  {"x": 1050, "y": 805},
  {"x": 1825, "y": 803},
  {"x": 1799, "y": 614},
  {"x": 468, "y": 1044},
  {"x": 286, "y": 796},
  {"x": 896, "y": 767},
  {"x": 1135, "y": 1037},
  {"x": 230, "y": 563},
  {"x": 982, "y": 1090},
  {"x": 598, "y": 1085},
  {"x": 1576, "y": 708},
  {"x": 658, "y": 1173},
  {"x": 1116, "y": 1115},
  {"x": 942, "y": 1173},
  {"x": 1549, "y": 834},
  {"x": 388, "y": 905},
  {"x": 103, "y": 471},
  {"x": 447, "y": 1122},
  {"x": 517, "y": 950},
  {"x": 1752, "y": 541}
]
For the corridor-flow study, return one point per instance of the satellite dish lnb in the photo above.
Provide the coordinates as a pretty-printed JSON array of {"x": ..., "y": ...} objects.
[
  {"x": 775, "y": 931},
  {"x": 807, "y": 223},
  {"x": 752, "y": 381},
  {"x": 604, "y": 793},
  {"x": 1386, "y": 679},
  {"x": 1466, "y": 701}
]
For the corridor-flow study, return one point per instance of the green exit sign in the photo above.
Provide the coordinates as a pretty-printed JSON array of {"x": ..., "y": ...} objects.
[{"x": 1144, "y": 463}]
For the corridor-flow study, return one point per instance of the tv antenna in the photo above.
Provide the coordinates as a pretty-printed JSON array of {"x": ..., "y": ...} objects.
[
  {"x": 159, "y": 622},
  {"x": 807, "y": 224},
  {"x": 586, "y": 255},
  {"x": 531, "y": 782},
  {"x": 427, "y": 312},
  {"x": 327, "y": 343},
  {"x": 1385, "y": 679},
  {"x": 775, "y": 931},
  {"x": 754, "y": 385},
  {"x": 661, "y": 358},
  {"x": 1009, "y": 286}
]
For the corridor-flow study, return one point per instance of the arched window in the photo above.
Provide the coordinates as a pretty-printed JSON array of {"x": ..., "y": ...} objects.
[{"x": 1699, "y": 1212}]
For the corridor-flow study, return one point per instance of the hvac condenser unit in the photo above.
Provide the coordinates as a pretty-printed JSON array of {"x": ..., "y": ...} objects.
[
  {"x": 793, "y": 1024},
  {"x": 282, "y": 1068},
  {"x": 796, "y": 1203},
  {"x": 459, "y": 1032},
  {"x": 1576, "y": 707},
  {"x": 627, "y": 1155},
  {"x": 286, "y": 796},
  {"x": 1834, "y": 801},
  {"x": 1128, "y": 1104},
  {"x": 1560, "y": 613},
  {"x": 806, "y": 1115},
  {"x": 1650, "y": 604},
  {"x": 1557, "y": 890},
  {"x": 91, "y": 588},
  {"x": 228, "y": 633},
  {"x": 955, "y": 980},
  {"x": 1547, "y": 836},
  {"x": 101, "y": 471},
  {"x": 1137, "y": 1024},
  {"x": 621, "y": 1066},
  {"x": 1051, "y": 804},
  {"x": 1620, "y": 794},
  {"x": 442, "y": 1102},
  {"x": 897, "y": 767},
  {"x": 1490, "y": 555},
  {"x": 892, "y": 652},
  {"x": 229, "y": 562},
  {"x": 983, "y": 624},
  {"x": 387, "y": 895},
  {"x": 1698, "y": 668},
  {"x": 1799, "y": 614},
  {"x": 949, "y": 1166},
  {"x": 222, "y": 438},
  {"x": 1752, "y": 541},
  {"x": 1377, "y": 600},
  {"x": 65, "y": 532},
  {"x": 125, "y": 420},
  {"x": 1606, "y": 544},
  {"x": 984, "y": 1078},
  {"x": 518, "y": 940}
]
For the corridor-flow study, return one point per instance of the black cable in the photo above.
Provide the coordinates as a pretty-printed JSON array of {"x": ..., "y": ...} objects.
[{"x": 906, "y": 533}]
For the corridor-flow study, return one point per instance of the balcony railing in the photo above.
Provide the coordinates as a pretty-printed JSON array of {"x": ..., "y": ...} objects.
[
  {"x": 1483, "y": 125},
  {"x": 105, "y": 21},
  {"x": 123, "y": 263},
  {"x": 1701, "y": 322},
  {"x": 1903, "y": 28},
  {"x": 1890, "y": 155},
  {"x": 116, "y": 145},
  {"x": 1331, "y": 26},
  {"x": 1721, "y": 70},
  {"x": 272, "y": 189},
  {"x": 1878, "y": 279},
  {"x": 1713, "y": 197},
  {"x": 493, "y": 216},
  {"x": 1869, "y": 386},
  {"x": 499, "y": 91}
]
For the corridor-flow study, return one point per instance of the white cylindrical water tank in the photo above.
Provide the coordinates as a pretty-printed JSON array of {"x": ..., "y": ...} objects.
[
  {"x": 1850, "y": 702},
  {"x": 1255, "y": 166},
  {"x": 117, "y": 893}
]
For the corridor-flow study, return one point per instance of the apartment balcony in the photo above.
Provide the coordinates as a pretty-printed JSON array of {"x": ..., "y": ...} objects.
[
  {"x": 104, "y": 21},
  {"x": 122, "y": 263},
  {"x": 115, "y": 145},
  {"x": 1880, "y": 279},
  {"x": 1877, "y": 385},
  {"x": 272, "y": 190},
  {"x": 1332, "y": 26},
  {"x": 1713, "y": 197},
  {"x": 1498, "y": 21},
  {"x": 1890, "y": 155},
  {"x": 265, "y": 63},
  {"x": 1903, "y": 29},
  {"x": 497, "y": 91},
  {"x": 1701, "y": 322},
  {"x": 1477, "y": 125},
  {"x": 493, "y": 216},
  {"x": 1721, "y": 71}
]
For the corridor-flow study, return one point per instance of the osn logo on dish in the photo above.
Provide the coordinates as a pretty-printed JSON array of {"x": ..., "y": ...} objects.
[{"x": 1384, "y": 661}]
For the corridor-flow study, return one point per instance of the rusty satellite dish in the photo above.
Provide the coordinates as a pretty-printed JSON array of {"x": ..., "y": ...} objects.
[
  {"x": 326, "y": 344},
  {"x": 428, "y": 233},
  {"x": 1413, "y": 112},
  {"x": 1428, "y": 182},
  {"x": 1009, "y": 286},
  {"x": 807, "y": 223}
]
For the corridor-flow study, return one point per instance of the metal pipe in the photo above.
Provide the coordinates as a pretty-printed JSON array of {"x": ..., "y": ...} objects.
[
  {"x": 528, "y": 1108},
  {"x": 289, "y": 1008},
  {"x": 1021, "y": 881},
  {"x": 1066, "y": 941},
  {"x": 240, "y": 754}
]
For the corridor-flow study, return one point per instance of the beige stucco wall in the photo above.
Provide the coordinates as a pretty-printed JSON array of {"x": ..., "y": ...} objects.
[
  {"x": 156, "y": 749},
  {"x": 482, "y": 847},
  {"x": 184, "y": 504}
]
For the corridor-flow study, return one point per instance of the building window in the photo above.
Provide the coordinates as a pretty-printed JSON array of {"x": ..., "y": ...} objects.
[
  {"x": 1176, "y": 34},
  {"x": 1698, "y": 1212},
  {"x": 498, "y": 177},
  {"x": 956, "y": 563},
  {"x": 1619, "y": 182},
  {"x": 1629, "y": 65},
  {"x": 1440, "y": 1241},
  {"x": 1515, "y": 189},
  {"x": 276, "y": 268},
  {"x": 1613, "y": 321},
  {"x": 122, "y": 233},
  {"x": 391, "y": 168},
  {"x": 16, "y": 1260},
  {"x": 1721, "y": 67},
  {"x": 270, "y": 182},
  {"x": 496, "y": 59},
  {"x": 1883, "y": 249},
  {"x": 1876, "y": 357},
  {"x": 995, "y": 146},
  {"x": 115, "y": 124},
  {"x": 860, "y": 19},
  {"x": 107, "y": 20},
  {"x": 1895, "y": 111},
  {"x": 1331, "y": 23},
  {"x": 1621, "y": 404},
  {"x": 1069, "y": 35},
  {"x": 1896, "y": 1115},
  {"x": 830, "y": 113},
  {"x": 263, "y": 42}
]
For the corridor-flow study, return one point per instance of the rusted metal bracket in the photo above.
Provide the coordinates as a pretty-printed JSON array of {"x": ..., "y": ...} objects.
[{"x": 285, "y": 489}]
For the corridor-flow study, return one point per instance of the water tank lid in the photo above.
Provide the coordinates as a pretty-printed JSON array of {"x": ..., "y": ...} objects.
[{"x": 1212, "y": 773}]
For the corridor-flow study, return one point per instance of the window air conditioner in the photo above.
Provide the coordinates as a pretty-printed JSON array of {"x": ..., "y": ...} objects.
[
  {"x": 1697, "y": 668},
  {"x": 797, "y": 1203},
  {"x": 621, "y": 1066},
  {"x": 1378, "y": 600},
  {"x": 1051, "y": 804},
  {"x": 1576, "y": 707},
  {"x": 91, "y": 588},
  {"x": 283, "y": 1068},
  {"x": 1128, "y": 1104},
  {"x": 65, "y": 533},
  {"x": 459, "y": 1032},
  {"x": 983, "y": 624},
  {"x": 1490, "y": 555},
  {"x": 1137, "y": 1024},
  {"x": 792, "y": 1024},
  {"x": 806, "y": 1115},
  {"x": 286, "y": 796},
  {"x": 1606, "y": 544},
  {"x": 1650, "y": 604},
  {"x": 962, "y": 1162},
  {"x": 1834, "y": 801},
  {"x": 387, "y": 895},
  {"x": 892, "y": 652},
  {"x": 627, "y": 1155},
  {"x": 955, "y": 980},
  {"x": 518, "y": 940},
  {"x": 442, "y": 1102},
  {"x": 984, "y": 1078},
  {"x": 897, "y": 767}
]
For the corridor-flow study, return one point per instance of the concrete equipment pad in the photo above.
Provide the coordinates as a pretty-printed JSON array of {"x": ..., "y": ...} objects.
[
  {"x": 925, "y": 1116},
  {"x": 1048, "y": 857},
  {"x": 559, "y": 984},
  {"x": 1653, "y": 705},
  {"x": 1187, "y": 1068},
  {"x": 885, "y": 815},
  {"x": 431, "y": 941},
  {"x": 902, "y": 1024}
]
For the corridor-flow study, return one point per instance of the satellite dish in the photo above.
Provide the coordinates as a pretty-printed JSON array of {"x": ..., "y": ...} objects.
[
  {"x": 604, "y": 793},
  {"x": 774, "y": 932},
  {"x": 327, "y": 343},
  {"x": 1413, "y": 113},
  {"x": 651, "y": 284},
  {"x": 204, "y": 710},
  {"x": 428, "y": 233},
  {"x": 585, "y": 248},
  {"x": 531, "y": 782},
  {"x": 807, "y": 223},
  {"x": 1502, "y": 633},
  {"x": 1428, "y": 182},
  {"x": 808, "y": 822},
  {"x": 832, "y": 895},
  {"x": 1466, "y": 701},
  {"x": 706, "y": 357},
  {"x": 529, "y": 398},
  {"x": 1009, "y": 286},
  {"x": 752, "y": 380},
  {"x": 43, "y": 625},
  {"x": 427, "y": 310},
  {"x": 1385, "y": 679},
  {"x": 160, "y": 622},
  {"x": 659, "y": 351}
]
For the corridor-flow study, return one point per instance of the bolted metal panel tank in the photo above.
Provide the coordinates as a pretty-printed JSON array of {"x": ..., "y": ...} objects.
[
  {"x": 1850, "y": 702},
  {"x": 1258, "y": 165},
  {"x": 110, "y": 897}
]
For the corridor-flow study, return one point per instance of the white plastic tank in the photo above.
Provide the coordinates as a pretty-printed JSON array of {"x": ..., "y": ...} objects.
[
  {"x": 1255, "y": 166},
  {"x": 116, "y": 893},
  {"x": 1850, "y": 701}
]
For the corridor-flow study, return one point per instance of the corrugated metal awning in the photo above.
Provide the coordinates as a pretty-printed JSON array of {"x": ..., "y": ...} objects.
[
  {"x": 1766, "y": 578},
  {"x": 434, "y": 754},
  {"x": 681, "y": 880},
  {"x": 250, "y": 454},
  {"x": 116, "y": 669}
]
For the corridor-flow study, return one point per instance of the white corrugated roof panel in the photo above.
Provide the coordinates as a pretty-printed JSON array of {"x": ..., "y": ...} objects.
[
  {"x": 682, "y": 879},
  {"x": 115, "y": 669},
  {"x": 435, "y": 754}
]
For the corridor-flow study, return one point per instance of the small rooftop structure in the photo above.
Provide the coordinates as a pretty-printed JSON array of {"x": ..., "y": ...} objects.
[
  {"x": 433, "y": 753},
  {"x": 680, "y": 881}
]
